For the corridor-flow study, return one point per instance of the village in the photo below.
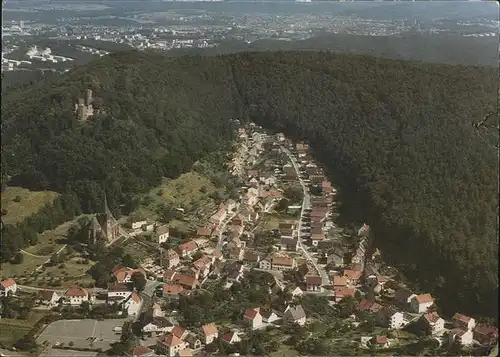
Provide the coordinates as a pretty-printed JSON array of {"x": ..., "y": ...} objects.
[{"x": 278, "y": 243}]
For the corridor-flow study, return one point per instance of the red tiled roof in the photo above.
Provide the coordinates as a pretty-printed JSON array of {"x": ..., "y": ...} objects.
[
  {"x": 209, "y": 329},
  {"x": 178, "y": 331},
  {"x": 185, "y": 280},
  {"x": 251, "y": 313},
  {"x": 462, "y": 318},
  {"x": 227, "y": 337},
  {"x": 188, "y": 246},
  {"x": 168, "y": 274},
  {"x": 141, "y": 350},
  {"x": 282, "y": 260},
  {"x": 380, "y": 340},
  {"x": 352, "y": 274},
  {"x": 172, "y": 289},
  {"x": 341, "y": 292},
  {"x": 76, "y": 291},
  {"x": 170, "y": 340},
  {"x": 339, "y": 280},
  {"x": 314, "y": 280},
  {"x": 432, "y": 317},
  {"x": 424, "y": 298},
  {"x": 7, "y": 283},
  {"x": 204, "y": 231}
]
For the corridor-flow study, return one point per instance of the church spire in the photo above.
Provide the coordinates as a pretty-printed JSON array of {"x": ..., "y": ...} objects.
[{"x": 107, "y": 211}]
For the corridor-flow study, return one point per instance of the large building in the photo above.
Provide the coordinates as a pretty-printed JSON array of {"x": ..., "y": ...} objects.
[{"x": 103, "y": 225}]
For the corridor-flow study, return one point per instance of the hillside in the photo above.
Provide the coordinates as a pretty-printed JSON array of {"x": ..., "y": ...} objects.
[{"x": 395, "y": 136}]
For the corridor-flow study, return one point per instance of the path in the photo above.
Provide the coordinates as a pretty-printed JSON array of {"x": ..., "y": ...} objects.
[
  {"x": 34, "y": 255},
  {"x": 306, "y": 203}
]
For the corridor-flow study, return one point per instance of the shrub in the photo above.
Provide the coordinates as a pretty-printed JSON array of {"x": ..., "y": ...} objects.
[{"x": 17, "y": 198}]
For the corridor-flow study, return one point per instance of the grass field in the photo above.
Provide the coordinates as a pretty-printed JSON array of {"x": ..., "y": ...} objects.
[
  {"x": 190, "y": 191},
  {"x": 14, "y": 329},
  {"x": 31, "y": 202},
  {"x": 70, "y": 273},
  {"x": 284, "y": 351}
]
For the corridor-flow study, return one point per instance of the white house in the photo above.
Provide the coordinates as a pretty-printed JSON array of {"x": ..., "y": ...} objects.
[
  {"x": 209, "y": 333},
  {"x": 133, "y": 304},
  {"x": 8, "y": 287},
  {"x": 463, "y": 322},
  {"x": 170, "y": 345},
  {"x": 433, "y": 323},
  {"x": 76, "y": 295},
  {"x": 421, "y": 303},
  {"x": 138, "y": 224},
  {"x": 269, "y": 316},
  {"x": 265, "y": 264},
  {"x": 254, "y": 318},
  {"x": 462, "y": 337},
  {"x": 390, "y": 317},
  {"x": 231, "y": 337},
  {"x": 295, "y": 314},
  {"x": 119, "y": 291},
  {"x": 163, "y": 232},
  {"x": 47, "y": 297}
]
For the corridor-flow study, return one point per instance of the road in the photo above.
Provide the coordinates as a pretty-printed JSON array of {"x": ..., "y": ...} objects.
[{"x": 306, "y": 204}]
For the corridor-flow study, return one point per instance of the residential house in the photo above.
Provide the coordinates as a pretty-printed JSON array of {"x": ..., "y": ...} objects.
[
  {"x": 119, "y": 291},
  {"x": 250, "y": 257},
  {"x": 138, "y": 224},
  {"x": 463, "y": 322},
  {"x": 369, "y": 306},
  {"x": 171, "y": 259},
  {"x": 237, "y": 229},
  {"x": 336, "y": 259},
  {"x": 290, "y": 244},
  {"x": 235, "y": 242},
  {"x": 403, "y": 297},
  {"x": 236, "y": 253},
  {"x": 133, "y": 304},
  {"x": 265, "y": 264},
  {"x": 486, "y": 335},
  {"x": 202, "y": 242},
  {"x": 282, "y": 262},
  {"x": 432, "y": 323},
  {"x": 253, "y": 318},
  {"x": 304, "y": 270},
  {"x": 172, "y": 290},
  {"x": 157, "y": 326},
  {"x": 459, "y": 336},
  {"x": 124, "y": 274},
  {"x": 317, "y": 235},
  {"x": 340, "y": 292},
  {"x": 294, "y": 291},
  {"x": 269, "y": 316},
  {"x": 352, "y": 276},
  {"x": 163, "y": 233},
  {"x": 364, "y": 231},
  {"x": 251, "y": 196},
  {"x": 254, "y": 181},
  {"x": 186, "y": 281},
  {"x": 231, "y": 337},
  {"x": 313, "y": 283},
  {"x": 421, "y": 303},
  {"x": 169, "y": 345},
  {"x": 377, "y": 282},
  {"x": 234, "y": 271},
  {"x": 179, "y": 331},
  {"x": 219, "y": 216},
  {"x": 193, "y": 341},
  {"x": 379, "y": 342},
  {"x": 205, "y": 231},
  {"x": 390, "y": 317},
  {"x": 47, "y": 297},
  {"x": 203, "y": 265},
  {"x": 339, "y": 281},
  {"x": 76, "y": 296},
  {"x": 8, "y": 287},
  {"x": 295, "y": 314},
  {"x": 209, "y": 333},
  {"x": 142, "y": 351},
  {"x": 187, "y": 249}
]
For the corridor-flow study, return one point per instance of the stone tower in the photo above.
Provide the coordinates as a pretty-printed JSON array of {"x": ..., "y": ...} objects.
[
  {"x": 89, "y": 97},
  {"x": 108, "y": 223}
]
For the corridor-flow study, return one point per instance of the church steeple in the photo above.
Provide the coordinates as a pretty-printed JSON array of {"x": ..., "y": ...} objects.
[{"x": 107, "y": 211}]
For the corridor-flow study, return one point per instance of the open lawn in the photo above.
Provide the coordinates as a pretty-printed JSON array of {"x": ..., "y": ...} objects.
[
  {"x": 190, "y": 191},
  {"x": 69, "y": 273},
  {"x": 30, "y": 203},
  {"x": 137, "y": 250},
  {"x": 14, "y": 329},
  {"x": 284, "y": 351},
  {"x": 28, "y": 265}
]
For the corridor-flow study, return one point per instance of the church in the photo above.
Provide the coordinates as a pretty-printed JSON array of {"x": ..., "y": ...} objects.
[{"x": 104, "y": 226}]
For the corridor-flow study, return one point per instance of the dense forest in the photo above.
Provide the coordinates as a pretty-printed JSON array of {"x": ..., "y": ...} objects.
[{"x": 395, "y": 137}]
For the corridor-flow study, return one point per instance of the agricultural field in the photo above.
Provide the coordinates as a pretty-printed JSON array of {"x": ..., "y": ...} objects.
[
  {"x": 20, "y": 203},
  {"x": 14, "y": 329}
]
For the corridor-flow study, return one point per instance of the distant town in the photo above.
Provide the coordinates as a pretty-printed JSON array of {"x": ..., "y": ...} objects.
[{"x": 29, "y": 44}]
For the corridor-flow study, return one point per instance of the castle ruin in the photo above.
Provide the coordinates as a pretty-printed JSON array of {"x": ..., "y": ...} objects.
[{"x": 83, "y": 108}]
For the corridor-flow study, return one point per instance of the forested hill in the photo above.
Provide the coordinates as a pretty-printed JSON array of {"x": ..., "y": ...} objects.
[{"x": 395, "y": 136}]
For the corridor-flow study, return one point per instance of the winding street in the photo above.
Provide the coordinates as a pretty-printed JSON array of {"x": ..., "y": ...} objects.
[{"x": 306, "y": 204}]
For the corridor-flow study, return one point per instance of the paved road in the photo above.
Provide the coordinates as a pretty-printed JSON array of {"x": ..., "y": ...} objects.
[{"x": 306, "y": 203}]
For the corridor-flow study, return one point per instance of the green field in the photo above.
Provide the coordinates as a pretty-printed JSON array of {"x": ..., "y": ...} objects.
[
  {"x": 14, "y": 329},
  {"x": 30, "y": 203},
  {"x": 190, "y": 191}
]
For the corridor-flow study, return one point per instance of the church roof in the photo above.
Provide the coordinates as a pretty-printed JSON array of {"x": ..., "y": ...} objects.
[{"x": 94, "y": 224}]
